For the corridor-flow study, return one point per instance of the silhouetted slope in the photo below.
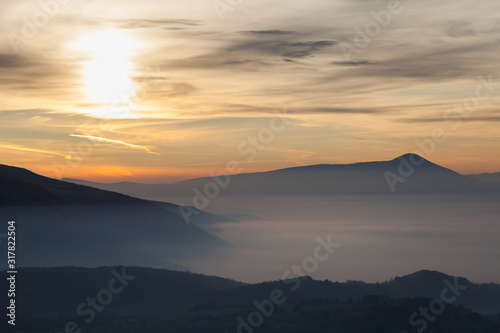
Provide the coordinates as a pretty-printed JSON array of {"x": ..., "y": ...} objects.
[
  {"x": 415, "y": 175},
  {"x": 153, "y": 300},
  {"x": 55, "y": 291},
  {"x": 60, "y": 223},
  {"x": 49, "y": 291},
  {"x": 492, "y": 178},
  {"x": 428, "y": 284},
  {"x": 197, "y": 217}
]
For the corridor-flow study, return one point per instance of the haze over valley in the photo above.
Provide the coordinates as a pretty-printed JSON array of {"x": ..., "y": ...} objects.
[{"x": 237, "y": 166}]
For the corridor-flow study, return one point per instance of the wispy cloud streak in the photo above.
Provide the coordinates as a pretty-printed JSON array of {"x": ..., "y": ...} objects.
[
  {"x": 96, "y": 138},
  {"x": 34, "y": 150}
]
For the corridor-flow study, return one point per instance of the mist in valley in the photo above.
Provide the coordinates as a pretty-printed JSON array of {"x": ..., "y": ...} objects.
[{"x": 380, "y": 236}]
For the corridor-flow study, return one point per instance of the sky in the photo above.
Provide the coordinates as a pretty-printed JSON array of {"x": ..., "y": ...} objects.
[{"x": 159, "y": 91}]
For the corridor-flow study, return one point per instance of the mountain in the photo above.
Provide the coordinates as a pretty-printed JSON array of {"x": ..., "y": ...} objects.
[
  {"x": 202, "y": 219},
  {"x": 407, "y": 174},
  {"x": 60, "y": 223},
  {"x": 429, "y": 284},
  {"x": 154, "y": 299},
  {"x": 492, "y": 178}
]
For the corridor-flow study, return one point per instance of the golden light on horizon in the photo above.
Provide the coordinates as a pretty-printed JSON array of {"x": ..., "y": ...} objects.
[{"x": 107, "y": 75}]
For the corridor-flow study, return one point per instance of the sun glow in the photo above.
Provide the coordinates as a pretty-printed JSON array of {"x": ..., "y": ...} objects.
[{"x": 107, "y": 74}]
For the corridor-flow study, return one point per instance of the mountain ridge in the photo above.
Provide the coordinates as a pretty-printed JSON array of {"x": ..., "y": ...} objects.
[
  {"x": 491, "y": 178},
  {"x": 176, "y": 291},
  {"x": 411, "y": 174}
]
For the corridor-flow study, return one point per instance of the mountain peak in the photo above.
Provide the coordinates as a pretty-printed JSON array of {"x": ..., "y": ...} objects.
[
  {"x": 429, "y": 276},
  {"x": 411, "y": 157}
]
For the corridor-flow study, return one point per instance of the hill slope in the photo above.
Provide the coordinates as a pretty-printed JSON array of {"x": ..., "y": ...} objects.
[
  {"x": 60, "y": 223},
  {"x": 165, "y": 299}
]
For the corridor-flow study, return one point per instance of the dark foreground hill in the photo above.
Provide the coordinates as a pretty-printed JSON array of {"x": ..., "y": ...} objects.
[
  {"x": 59, "y": 223},
  {"x": 131, "y": 299}
]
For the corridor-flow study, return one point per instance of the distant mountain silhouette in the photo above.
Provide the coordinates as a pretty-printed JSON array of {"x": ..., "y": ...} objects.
[
  {"x": 428, "y": 284},
  {"x": 48, "y": 298},
  {"x": 492, "y": 178},
  {"x": 60, "y": 223},
  {"x": 414, "y": 174}
]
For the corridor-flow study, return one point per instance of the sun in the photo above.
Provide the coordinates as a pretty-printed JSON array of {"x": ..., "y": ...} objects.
[{"x": 107, "y": 74}]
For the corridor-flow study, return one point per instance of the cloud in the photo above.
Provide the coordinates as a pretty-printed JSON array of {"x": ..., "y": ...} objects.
[
  {"x": 458, "y": 29},
  {"x": 450, "y": 119},
  {"x": 95, "y": 138},
  {"x": 279, "y": 48},
  {"x": 306, "y": 49},
  {"x": 153, "y": 23},
  {"x": 444, "y": 62},
  {"x": 12, "y": 61},
  {"x": 337, "y": 110},
  {"x": 211, "y": 61},
  {"x": 353, "y": 63},
  {"x": 252, "y": 52},
  {"x": 34, "y": 150},
  {"x": 285, "y": 54},
  {"x": 179, "y": 89},
  {"x": 274, "y": 32}
]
